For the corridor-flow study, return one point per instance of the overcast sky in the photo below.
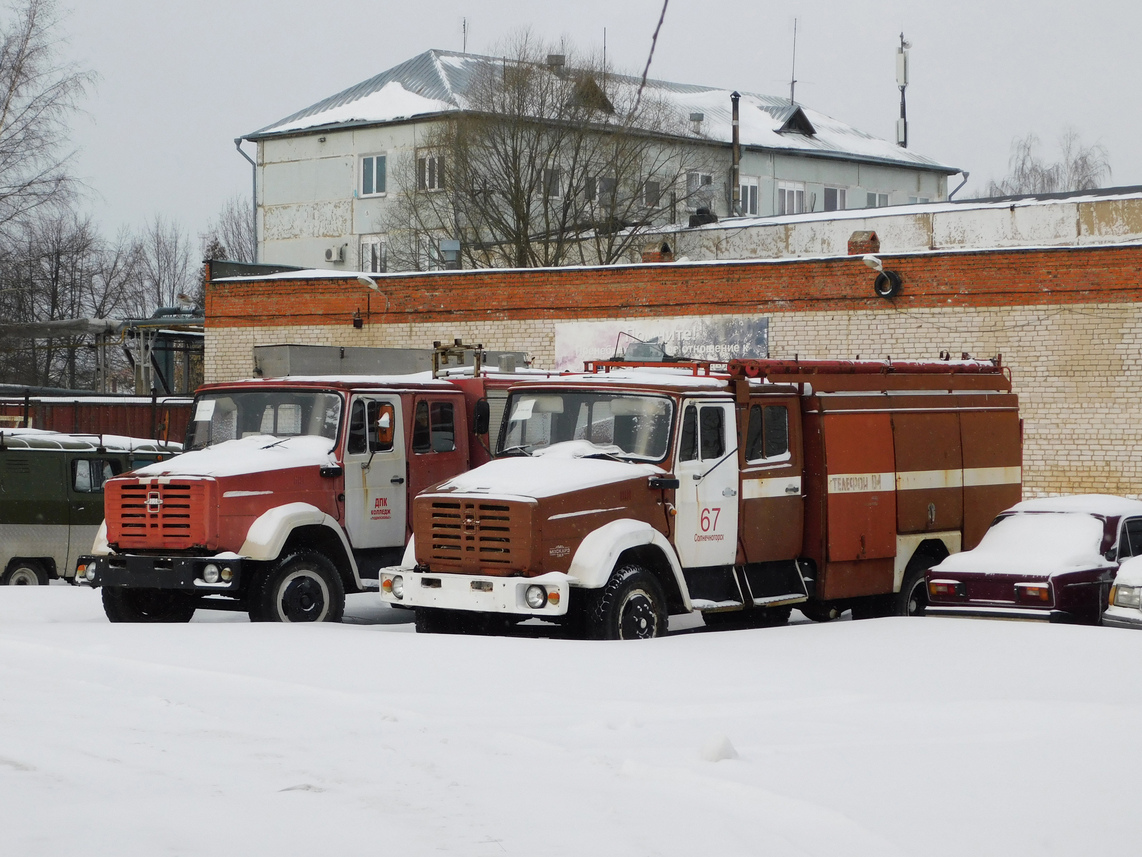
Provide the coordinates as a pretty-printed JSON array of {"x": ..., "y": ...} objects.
[{"x": 179, "y": 80}]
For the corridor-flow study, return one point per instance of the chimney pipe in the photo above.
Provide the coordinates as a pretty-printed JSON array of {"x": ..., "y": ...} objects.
[{"x": 736, "y": 205}]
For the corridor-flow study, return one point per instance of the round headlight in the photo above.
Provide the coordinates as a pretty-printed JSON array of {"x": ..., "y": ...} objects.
[
  {"x": 398, "y": 587},
  {"x": 210, "y": 573},
  {"x": 535, "y": 596},
  {"x": 90, "y": 573}
]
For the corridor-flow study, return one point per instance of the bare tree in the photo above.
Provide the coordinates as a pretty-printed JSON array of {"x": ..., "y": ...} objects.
[
  {"x": 552, "y": 164},
  {"x": 232, "y": 234},
  {"x": 38, "y": 95},
  {"x": 165, "y": 272},
  {"x": 1079, "y": 168}
]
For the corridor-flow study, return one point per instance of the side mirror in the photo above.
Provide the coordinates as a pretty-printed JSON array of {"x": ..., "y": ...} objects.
[
  {"x": 330, "y": 472},
  {"x": 482, "y": 418},
  {"x": 663, "y": 483},
  {"x": 1111, "y": 555}
]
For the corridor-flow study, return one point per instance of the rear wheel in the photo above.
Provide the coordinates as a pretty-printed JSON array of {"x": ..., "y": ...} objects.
[
  {"x": 303, "y": 587},
  {"x": 630, "y": 607},
  {"x": 122, "y": 604},
  {"x": 912, "y": 599},
  {"x": 24, "y": 572}
]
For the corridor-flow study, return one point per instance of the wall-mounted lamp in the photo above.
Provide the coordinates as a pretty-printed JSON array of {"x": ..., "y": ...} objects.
[
  {"x": 887, "y": 283},
  {"x": 373, "y": 287},
  {"x": 358, "y": 322}
]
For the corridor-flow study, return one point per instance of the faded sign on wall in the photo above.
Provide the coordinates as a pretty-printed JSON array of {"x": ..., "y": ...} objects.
[{"x": 694, "y": 337}]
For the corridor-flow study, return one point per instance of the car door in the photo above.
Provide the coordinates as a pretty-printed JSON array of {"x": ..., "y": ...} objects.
[
  {"x": 706, "y": 525},
  {"x": 375, "y": 473}
]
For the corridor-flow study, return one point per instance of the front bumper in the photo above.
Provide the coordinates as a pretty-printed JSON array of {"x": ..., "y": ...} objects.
[
  {"x": 476, "y": 593},
  {"x": 160, "y": 572},
  {"x": 1122, "y": 617}
]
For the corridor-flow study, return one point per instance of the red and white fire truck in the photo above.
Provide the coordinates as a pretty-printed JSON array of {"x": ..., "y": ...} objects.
[
  {"x": 293, "y": 492},
  {"x": 627, "y": 493}
]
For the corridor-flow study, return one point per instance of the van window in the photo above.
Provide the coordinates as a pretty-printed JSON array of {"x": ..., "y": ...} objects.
[{"x": 89, "y": 474}]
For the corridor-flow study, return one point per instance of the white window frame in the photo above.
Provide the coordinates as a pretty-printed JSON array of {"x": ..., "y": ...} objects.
[
  {"x": 369, "y": 173},
  {"x": 428, "y": 252},
  {"x": 748, "y": 188},
  {"x": 876, "y": 200},
  {"x": 373, "y": 254},
  {"x": 552, "y": 183},
  {"x": 790, "y": 197},
  {"x": 652, "y": 193},
  {"x": 430, "y": 169},
  {"x": 600, "y": 188},
  {"x": 697, "y": 195},
  {"x": 842, "y": 199}
]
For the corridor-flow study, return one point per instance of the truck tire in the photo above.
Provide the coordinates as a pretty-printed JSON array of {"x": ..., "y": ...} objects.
[
  {"x": 122, "y": 604},
  {"x": 24, "y": 572},
  {"x": 912, "y": 599},
  {"x": 630, "y": 607},
  {"x": 302, "y": 587}
]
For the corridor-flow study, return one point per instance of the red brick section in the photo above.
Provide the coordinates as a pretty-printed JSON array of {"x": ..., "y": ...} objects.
[
  {"x": 985, "y": 278},
  {"x": 861, "y": 243}
]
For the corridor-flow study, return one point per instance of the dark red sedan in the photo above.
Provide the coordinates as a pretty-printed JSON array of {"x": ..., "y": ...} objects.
[{"x": 1057, "y": 556}]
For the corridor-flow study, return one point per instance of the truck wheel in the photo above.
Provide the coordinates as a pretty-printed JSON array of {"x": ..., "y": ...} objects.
[
  {"x": 912, "y": 599},
  {"x": 24, "y": 573},
  {"x": 630, "y": 607},
  {"x": 821, "y": 611},
  {"x": 303, "y": 587},
  {"x": 147, "y": 605}
]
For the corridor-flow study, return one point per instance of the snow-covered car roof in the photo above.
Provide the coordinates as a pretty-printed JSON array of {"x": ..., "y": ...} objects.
[{"x": 1109, "y": 505}]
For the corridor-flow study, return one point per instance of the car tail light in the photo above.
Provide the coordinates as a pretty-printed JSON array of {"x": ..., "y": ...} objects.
[
  {"x": 945, "y": 589},
  {"x": 1033, "y": 593}
]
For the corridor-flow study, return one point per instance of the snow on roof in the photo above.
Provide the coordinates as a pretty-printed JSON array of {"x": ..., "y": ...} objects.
[
  {"x": 437, "y": 82},
  {"x": 29, "y": 438},
  {"x": 1093, "y": 504}
]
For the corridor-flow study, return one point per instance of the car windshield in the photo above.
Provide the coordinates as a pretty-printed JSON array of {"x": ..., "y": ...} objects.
[
  {"x": 639, "y": 425},
  {"x": 227, "y": 415}
]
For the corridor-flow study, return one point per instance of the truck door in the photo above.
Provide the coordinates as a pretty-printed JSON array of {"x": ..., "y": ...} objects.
[
  {"x": 375, "y": 499},
  {"x": 773, "y": 511},
  {"x": 707, "y": 502}
]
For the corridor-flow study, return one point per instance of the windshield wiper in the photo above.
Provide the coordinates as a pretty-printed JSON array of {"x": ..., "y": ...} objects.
[{"x": 518, "y": 449}]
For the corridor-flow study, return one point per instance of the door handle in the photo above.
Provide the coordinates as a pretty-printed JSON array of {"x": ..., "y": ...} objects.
[
  {"x": 792, "y": 489},
  {"x": 397, "y": 480},
  {"x": 729, "y": 492}
]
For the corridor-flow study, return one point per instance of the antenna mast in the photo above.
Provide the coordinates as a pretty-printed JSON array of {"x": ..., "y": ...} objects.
[
  {"x": 902, "y": 82},
  {"x": 793, "y": 71},
  {"x": 464, "y": 30}
]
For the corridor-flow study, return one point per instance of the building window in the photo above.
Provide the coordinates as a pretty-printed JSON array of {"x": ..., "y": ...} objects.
[
  {"x": 699, "y": 190},
  {"x": 430, "y": 172},
  {"x": 372, "y": 175},
  {"x": 749, "y": 194},
  {"x": 652, "y": 194},
  {"x": 373, "y": 259},
  {"x": 914, "y": 200},
  {"x": 430, "y": 258},
  {"x": 876, "y": 200},
  {"x": 600, "y": 189},
  {"x": 551, "y": 183},
  {"x": 790, "y": 197},
  {"x": 836, "y": 199}
]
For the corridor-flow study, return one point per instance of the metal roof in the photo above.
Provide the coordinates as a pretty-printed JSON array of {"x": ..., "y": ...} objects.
[{"x": 437, "y": 82}]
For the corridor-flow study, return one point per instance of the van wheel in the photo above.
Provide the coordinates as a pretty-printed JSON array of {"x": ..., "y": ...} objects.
[
  {"x": 24, "y": 573},
  {"x": 303, "y": 587},
  {"x": 147, "y": 605},
  {"x": 630, "y": 607}
]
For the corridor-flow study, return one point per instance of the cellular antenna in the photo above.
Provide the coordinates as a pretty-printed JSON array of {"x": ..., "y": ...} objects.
[
  {"x": 793, "y": 71},
  {"x": 464, "y": 32}
]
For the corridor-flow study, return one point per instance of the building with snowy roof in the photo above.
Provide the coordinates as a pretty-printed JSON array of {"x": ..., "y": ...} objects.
[{"x": 326, "y": 177}]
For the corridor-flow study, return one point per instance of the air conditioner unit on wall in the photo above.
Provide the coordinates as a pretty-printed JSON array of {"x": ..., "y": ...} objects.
[{"x": 335, "y": 254}]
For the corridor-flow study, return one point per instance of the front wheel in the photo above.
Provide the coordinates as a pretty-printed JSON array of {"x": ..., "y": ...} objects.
[
  {"x": 630, "y": 607},
  {"x": 303, "y": 587},
  {"x": 24, "y": 573},
  {"x": 122, "y": 604}
]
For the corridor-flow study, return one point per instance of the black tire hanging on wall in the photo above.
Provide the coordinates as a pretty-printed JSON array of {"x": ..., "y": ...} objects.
[
  {"x": 887, "y": 284},
  {"x": 302, "y": 587},
  {"x": 122, "y": 604},
  {"x": 631, "y": 606}
]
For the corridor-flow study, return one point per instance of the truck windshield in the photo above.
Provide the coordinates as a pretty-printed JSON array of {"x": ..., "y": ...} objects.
[
  {"x": 226, "y": 415},
  {"x": 638, "y": 424}
]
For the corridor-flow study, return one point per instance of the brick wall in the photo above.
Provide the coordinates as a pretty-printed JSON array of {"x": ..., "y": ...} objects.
[{"x": 1068, "y": 322}]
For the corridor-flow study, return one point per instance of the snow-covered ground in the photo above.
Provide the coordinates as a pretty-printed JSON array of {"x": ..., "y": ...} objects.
[{"x": 935, "y": 736}]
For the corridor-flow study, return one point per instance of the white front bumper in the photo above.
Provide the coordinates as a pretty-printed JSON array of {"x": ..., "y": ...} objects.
[{"x": 476, "y": 593}]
